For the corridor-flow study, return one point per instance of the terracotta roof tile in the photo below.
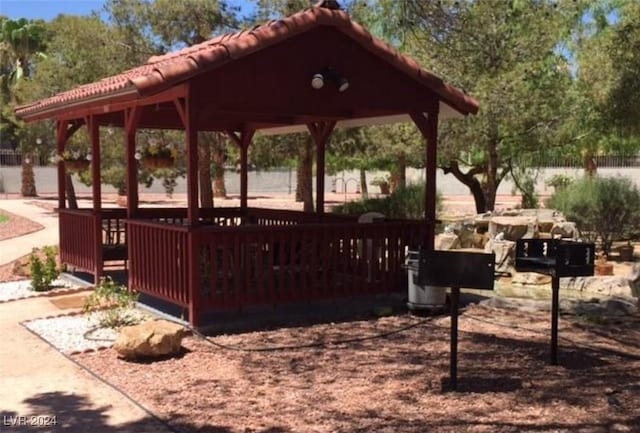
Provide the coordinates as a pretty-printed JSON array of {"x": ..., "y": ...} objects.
[{"x": 162, "y": 71}]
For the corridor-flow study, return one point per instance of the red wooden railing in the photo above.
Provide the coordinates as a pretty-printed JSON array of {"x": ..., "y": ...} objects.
[
  {"x": 159, "y": 260},
  {"x": 251, "y": 265},
  {"x": 78, "y": 239}
]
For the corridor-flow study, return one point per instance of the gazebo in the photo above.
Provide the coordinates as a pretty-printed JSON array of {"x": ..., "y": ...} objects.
[{"x": 315, "y": 70}]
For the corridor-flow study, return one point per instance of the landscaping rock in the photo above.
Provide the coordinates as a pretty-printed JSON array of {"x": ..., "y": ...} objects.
[
  {"x": 505, "y": 252},
  {"x": 514, "y": 228},
  {"x": 447, "y": 241},
  {"x": 530, "y": 279},
  {"x": 603, "y": 286},
  {"x": 565, "y": 229},
  {"x": 154, "y": 338}
]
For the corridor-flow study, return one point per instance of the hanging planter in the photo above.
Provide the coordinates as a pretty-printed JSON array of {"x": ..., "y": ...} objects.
[
  {"x": 157, "y": 155},
  {"x": 156, "y": 162},
  {"x": 74, "y": 162},
  {"x": 76, "y": 165}
]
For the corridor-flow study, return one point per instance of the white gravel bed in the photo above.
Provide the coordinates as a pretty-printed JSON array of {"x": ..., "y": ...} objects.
[
  {"x": 71, "y": 333},
  {"x": 22, "y": 289}
]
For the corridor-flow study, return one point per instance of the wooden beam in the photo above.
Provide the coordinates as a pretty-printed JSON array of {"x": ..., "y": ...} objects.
[
  {"x": 428, "y": 126},
  {"x": 320, "y": 131},
  {"x": 181, "y": 109},
  {"x": 96, "y": 191},
  {"x": 191, "y": 133},
  {"x": 61, "y": 139},
  {"x": 243, "y": 140},
  {"x": 131, "y": 117}
]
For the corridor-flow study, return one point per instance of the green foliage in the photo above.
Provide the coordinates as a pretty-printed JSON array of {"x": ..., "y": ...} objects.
[
  {"x": 43, "y": 274},
  {"x": 406, "y": 203},
  {"x": 4, "y": 218},
  {"x": 604, "y": 208},
  {"x": 113, "y": 304},
  {"x": 559, "y": 181}
]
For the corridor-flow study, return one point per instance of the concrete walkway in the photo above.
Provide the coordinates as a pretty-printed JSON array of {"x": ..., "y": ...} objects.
[
  {"x": 37, "y": 381},
  {"x": 14, "y": 248}
]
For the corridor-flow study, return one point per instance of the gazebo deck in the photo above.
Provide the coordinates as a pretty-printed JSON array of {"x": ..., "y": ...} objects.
[{"x": 236, "y": 258}]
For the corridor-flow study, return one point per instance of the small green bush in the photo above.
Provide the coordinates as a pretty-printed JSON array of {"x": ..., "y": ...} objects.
[
  {"x": 407, "y": 203},
  {"x": 43, "y": 274},
  {"x": 113, "y": 303},
  {"x": 605, "y": 209},
  {"x": 559, "y": 181}
]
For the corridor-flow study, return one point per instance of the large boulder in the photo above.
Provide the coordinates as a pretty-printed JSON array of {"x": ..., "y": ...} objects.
[
  {"x": 565, "y": 229},
  {"x": 505, "y": 252},
  {"x": 447, "y": 241},
  {"x": 513, "y": 227},
  {"x": 151, "y": 339},
  {"x": 608, "y": 286}
]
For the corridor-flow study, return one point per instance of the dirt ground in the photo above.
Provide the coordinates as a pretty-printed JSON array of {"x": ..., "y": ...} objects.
[
  {"x": 395, "y": 384},
  {"x": 16, "y": 226}
]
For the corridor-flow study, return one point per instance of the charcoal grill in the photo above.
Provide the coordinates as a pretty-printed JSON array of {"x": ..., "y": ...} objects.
[
  {"x": 456, "y": 269},
  {"x": 557, "y": 258}
]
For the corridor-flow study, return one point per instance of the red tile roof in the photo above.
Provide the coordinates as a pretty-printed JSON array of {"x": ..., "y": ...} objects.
[{"x": 160, "y": 72}]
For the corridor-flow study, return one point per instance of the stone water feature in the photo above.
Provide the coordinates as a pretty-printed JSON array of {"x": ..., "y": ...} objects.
[{"x": 498, "y": 231}]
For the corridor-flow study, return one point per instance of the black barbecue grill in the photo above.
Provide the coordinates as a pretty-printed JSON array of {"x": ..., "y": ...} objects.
[{"x": 557, "y": 258}]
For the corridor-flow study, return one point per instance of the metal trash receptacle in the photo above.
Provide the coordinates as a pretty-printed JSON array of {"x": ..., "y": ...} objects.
[{"x": 422, "y": 296}]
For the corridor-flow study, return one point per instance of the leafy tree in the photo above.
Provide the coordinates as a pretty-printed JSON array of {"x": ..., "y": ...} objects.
[
  {"x": 173, "y": 25},
  {"x": 624, "y": 51},
  {"x": 504, "y": 54}
]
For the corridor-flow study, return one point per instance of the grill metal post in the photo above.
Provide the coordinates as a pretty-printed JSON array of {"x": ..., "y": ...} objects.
[
  {"x": 453, "y": 363},
  {"x": 555, "y": 307}
]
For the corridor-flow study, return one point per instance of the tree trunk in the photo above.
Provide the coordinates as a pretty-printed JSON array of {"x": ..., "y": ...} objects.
[
  {"x": 472, "y": 183},
  {"x": 204, "y": 169},
  {"x": 304, "y": 172},
  {"x": 28, "y": 187},
  {"x": 219, "y": 188},
  {"x": 363, "y": 184},
  {"x": 399, "y": 173},
  {"x": 589, "y": 162},
  {"x": 70, "y": 191},
  {"x": 490, "y": 186}
]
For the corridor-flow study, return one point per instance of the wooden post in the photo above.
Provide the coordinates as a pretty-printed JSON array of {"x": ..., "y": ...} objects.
[
  {"x": 555, "y": 307},
  {"x": 320, "y": 132},
  {"x": 131, "y": 117},
  {"x": 61, "y": 139},
  {"x": 96, "y": 192},
  {"x": 191, "y": 132},
  {"x": 243, "y": 140},
  {"x": 428, "y": 126}
]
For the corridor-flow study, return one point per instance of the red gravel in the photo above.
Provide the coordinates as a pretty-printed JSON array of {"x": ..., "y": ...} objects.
[
  {"x": 16, "y": 226},
  {"x": 394, "y": 384}
]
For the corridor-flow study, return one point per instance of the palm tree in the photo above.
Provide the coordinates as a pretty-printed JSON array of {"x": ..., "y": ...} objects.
[{"x": 21, "y": 41}]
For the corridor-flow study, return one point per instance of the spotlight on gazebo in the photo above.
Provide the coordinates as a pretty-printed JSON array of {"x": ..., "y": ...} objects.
[{"x": 317, "y": 82}]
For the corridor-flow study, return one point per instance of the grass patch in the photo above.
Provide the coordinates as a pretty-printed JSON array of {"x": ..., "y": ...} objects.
[{"x": 3, "y": 218}]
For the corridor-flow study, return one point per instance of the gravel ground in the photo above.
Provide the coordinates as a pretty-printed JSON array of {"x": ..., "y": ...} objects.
[
  {"x": 17, "y": 226},
  {"x": 22, "y": 289},
  {"x": 76, "y": 333},
  {"x": 394, "y": 384}
]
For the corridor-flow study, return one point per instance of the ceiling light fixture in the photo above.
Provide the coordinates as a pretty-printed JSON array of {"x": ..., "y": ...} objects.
[{"x": 328, "y": 73}]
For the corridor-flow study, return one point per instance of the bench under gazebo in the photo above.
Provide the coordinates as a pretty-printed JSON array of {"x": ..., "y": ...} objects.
[{"x": 315, "y": 70}]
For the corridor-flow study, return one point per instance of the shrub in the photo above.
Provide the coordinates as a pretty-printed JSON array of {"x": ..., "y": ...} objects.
[
  {"x": 559, "y": 181},
  {"x": 407, "y": 202},
  {"x": 113, "y": 303},
  {"x": 43, "y": 274},
  {"x": 604, "y": 208}
]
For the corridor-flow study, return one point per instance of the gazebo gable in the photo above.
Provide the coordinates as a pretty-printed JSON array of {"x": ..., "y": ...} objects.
[
  {"x": 274, "y": 86},
  {"x": 162, "y": 73}
]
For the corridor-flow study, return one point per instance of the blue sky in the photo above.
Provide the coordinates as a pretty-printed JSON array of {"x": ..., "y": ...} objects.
[{"x": 49, "y": 9}]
